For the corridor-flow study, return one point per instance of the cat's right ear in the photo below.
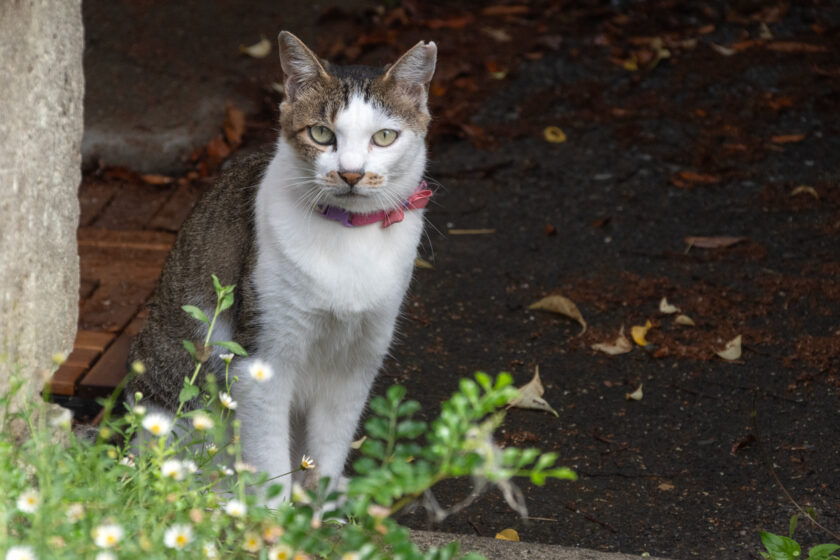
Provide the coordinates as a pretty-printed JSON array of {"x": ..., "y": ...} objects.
[{"x": 300, "y": 65}]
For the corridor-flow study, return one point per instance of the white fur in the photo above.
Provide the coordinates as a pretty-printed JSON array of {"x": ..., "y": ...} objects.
[{"x": 329, "y": 295}]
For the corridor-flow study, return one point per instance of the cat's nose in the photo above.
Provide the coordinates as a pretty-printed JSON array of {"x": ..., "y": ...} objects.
[{"x": 351, "y": 177}]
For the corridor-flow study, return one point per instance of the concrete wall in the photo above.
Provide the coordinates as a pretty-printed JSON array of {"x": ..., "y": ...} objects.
[{"x": 41, "y": 90}]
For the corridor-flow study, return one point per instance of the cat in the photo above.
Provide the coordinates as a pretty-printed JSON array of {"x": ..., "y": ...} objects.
[{"x": 320, "y": 238}]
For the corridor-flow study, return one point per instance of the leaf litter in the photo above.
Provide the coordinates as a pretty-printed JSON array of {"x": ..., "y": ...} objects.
[
  {"x": 620, "y": 346},
  {"x": 732, "y": 350},
  {"x": 530, "y": 396},
  {"x": 562, "y": 306}
]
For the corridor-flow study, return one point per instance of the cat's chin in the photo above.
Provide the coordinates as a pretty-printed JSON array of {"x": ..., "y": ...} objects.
[{"x": 358, "y": 200}]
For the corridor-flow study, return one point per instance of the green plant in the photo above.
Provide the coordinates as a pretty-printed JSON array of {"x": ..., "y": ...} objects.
[
  {"x": 164, "y": 492},
  {"x": 785, "y": 548}
]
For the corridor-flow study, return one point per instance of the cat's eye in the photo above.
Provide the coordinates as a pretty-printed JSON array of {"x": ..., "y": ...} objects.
[
  {"x": 321, "y": 135},
  {"x": 384, "y": 137}
]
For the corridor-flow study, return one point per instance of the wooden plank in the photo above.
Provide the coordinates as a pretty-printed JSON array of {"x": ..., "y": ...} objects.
[
  {"x": 82, "y": 357},
  {"x": 125, "y": 239},
  {"x": 133, "y": 206},
  {"x": 114, "y": 304},
  {"x": 110, "y": 369},
  {"x": 177, "y": 208},
  {"x": 92, "y": 340},
  {"x": 64, "y": 380}
]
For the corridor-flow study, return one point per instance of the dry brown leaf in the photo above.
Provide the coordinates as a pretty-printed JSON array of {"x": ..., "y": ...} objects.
[
  {"x": 563, "y": 306},
  {"x": 636, "y": 395},
  {"x": 620, "y": 346},
  {"x": 498, "y": 35},
  {"x": 804, "y": 189},
  {"x": 788, "y": 138},
  {"x": 684, "y": 320},
  {"x": 530, "y": 396},
  {"x": 155, "y": 179},
  {"x": 423, "y": 263},
  {"x": 721, "y": 50},
  {"x": 505, "y": 10},
  {"x": 508, "y": 535},
  {"x": 732, "y": 350},
  {"x": 667, "y": 308},
  {"x": 554, "y": 134},
  {"x": 234, "y": 125},
  {"x": 260, "y": 49},
  {"x": 639, "y": 332},
  {"x": 796, "y": 47},
  {"x": 714, "y": 242},
  {"x": 666, "y": 486},
  {"x": 358, "y": 443}
]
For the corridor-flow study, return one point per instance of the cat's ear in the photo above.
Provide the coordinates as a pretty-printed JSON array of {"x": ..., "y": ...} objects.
[
  {"x": 300, "y": 65},
  {"x": 415, "y": 69}
]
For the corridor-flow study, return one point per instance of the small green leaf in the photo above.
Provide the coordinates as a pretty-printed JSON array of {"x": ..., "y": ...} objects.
[
  {"x": 780, "y": 548},
  {"x": 195, "y": 313},
  {"x": 822, "y": 551},
  {"x": 793, "y": 520},
  {"x": 232, "y": 346},
  {"x": 273, "y": 491},
  {"x": 188, "y": 344},
  {"x": 227, "y": 301},
  {"x": 408, "y": 408},
  {"x": 395, "y": 394},
  {"x": 410, "y": 429},
  {"x": 217, "y": 285},
  {"x": 188, "y": 392}
]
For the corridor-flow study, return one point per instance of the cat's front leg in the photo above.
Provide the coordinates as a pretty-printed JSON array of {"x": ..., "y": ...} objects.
[
  {"x": 263, "y": 410},
  {"x": 332, "y": 418}
]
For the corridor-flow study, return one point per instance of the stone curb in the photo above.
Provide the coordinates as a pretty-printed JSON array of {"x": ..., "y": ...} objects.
[{"x": 496, "y": 549}]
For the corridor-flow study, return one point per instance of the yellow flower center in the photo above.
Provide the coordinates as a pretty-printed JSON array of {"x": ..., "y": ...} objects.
[
  {"x": 181, "y": 540},
  {"x": 110, "y": 540}
]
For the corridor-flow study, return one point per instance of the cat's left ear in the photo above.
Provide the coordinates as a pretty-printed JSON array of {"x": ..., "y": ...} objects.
[
  {"x": 414, "y": 69},
  {"x": 300, "y": 65}
]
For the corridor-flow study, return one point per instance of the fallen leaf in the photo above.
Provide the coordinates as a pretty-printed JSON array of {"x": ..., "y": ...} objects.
[
  {"x": 563, "y": 306},
  {"x": 635, "y": 395},
  {"x": 684, "y": 320},
  {"x": 260, "y": 49},
  {"x": 554, "y": 135},
  {"x": 234, "y": 125},
  {"x": 732, "y": 350},
  {"x": 620, "y": 346},
  {"x": 667, "y": 308},
  {"x": 477, "y": 231},
  {"x": 788, "y": 138},
  {"x": 498, "y": 35},
  {"x": 530, "y": 396},
  {"x": 502, "y": 10},
  {"x": 694, "y": 177},
  {"x": 803, "y": 189},
  {"x": 457, "y": 22},
  {"x": 639, "y": 332},
  {"x": 666, "y": 486},
  {"x": 422, "y": 263},
  {"x": 155, "y": 179},
  {"x": 508, "y": 535},
  {"x": 358, "y": 443},
  {"x": 796, "y": 47},
  {"x": 721, "y": 50},
  {"x": 742, "y": 443},
  {"x": 714, "y": 242}
]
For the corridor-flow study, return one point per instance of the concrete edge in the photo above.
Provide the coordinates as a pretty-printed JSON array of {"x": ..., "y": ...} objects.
[{"x": 496, "y": 549}]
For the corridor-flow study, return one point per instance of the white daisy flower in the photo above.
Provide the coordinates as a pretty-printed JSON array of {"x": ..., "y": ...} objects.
[
  {"x": 128, "y": 461},
  {"x": 252, "y": 543},
  {"x": 280, "y": 552},
  {"x": 241, "y": 466},
  {"x": 157, "y": 424},
  {"x": 29, "y": 501},
  {"x": 260, "y": 371},
  {"x": 108, "y": 535},
  {"x": 178, "y": 536},
  {"x": 227, "y": 471},
  {"x": 306, "y": 463},
  {"x": 61, "y": 419},
  {"x": 189, "y": 466},
  {"x": 172, "y": 468},
  {"x": 300, "y": 495},
  {"x": 75, "y": 512},
  {"x": 227, "y": 401},
  {"x": 209, "y": 550},
  {"x": 106, "y": 555},
  {"x": 20, "y": 552},
  {"x": 226, "y": 357},
  {"x": 235, "y": 508},
  {"x": 212, "y": 449},
  {"x": 202, "y": 422},
  {"x": 139, "y": 410}
]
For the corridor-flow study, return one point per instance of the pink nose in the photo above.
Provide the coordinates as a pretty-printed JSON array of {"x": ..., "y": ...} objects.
[{"x": 350, "y": 177}]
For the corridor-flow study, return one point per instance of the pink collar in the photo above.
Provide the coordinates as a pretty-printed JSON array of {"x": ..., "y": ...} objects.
[{"x": 416, "y": 201}]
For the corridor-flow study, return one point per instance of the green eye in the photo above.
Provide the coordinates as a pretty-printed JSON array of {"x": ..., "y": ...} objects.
[
  {"x": 385, "y": 137},
  {"x": 321, "y": 135}
]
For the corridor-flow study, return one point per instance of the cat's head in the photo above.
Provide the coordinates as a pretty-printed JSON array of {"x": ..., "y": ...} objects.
[{"x": 359, "y": 132}]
